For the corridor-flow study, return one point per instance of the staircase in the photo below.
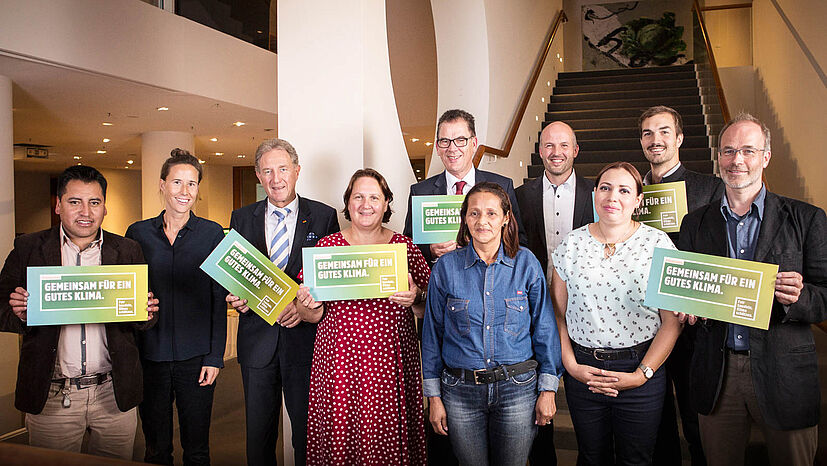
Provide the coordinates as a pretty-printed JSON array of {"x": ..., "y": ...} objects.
[{"x": 603, "y": 108}]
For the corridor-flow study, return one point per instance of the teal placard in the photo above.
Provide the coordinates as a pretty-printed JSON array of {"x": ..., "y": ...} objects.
[
  {"x": 353, "y": 272},
  {"x": 247, "y": 273},
  {"x": 435, "y": 219},
  {"x": 730, "y": 290},
  {"x": 86, "y": 294}
]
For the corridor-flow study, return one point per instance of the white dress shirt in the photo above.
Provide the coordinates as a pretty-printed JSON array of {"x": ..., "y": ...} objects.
[
  {"x": 82, "y": 349},
  {"x": 558, "y": 213},
  {"x": 271, "y": 220},
  {"x": 469, "y": 179}
]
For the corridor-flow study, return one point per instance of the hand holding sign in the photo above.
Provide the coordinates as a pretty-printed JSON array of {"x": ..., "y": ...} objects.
[
  {"x": 406, "y": 298},
  {"x": 151, "y": 306},
  {"x": 440, "y": 249},
  {"x": 788, "y": 286},
  {"x": 19, "y": 302}
]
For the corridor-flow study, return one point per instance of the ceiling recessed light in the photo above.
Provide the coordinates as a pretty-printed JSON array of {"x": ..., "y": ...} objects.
[
  {"x": 106, "y": 123},
  {"x": 77, "y": 157},
  {"x": 429, "y": 143},
  {"x": 214, "y": 139},
  {"x": 260, "y": 32},
  {"x": 162, "y": 109},
  {"x": 414, "y": 139},
  {"x": 241, "y": 156},
  {"x": 239, "y": 123},
  {"x": 202, "y": 161},
  {"x": 101, "y": 152},
  {"x": 106, "y": 139},
  {"x": 79, "y": 163},
  {"x": 219, "y": 153},
  {"x": 130, "y": 162},
  {"x": 126, "y": 166}
]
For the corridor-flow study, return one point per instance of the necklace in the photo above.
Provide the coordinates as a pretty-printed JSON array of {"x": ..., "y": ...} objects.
[{"x": 610, "y": 248}]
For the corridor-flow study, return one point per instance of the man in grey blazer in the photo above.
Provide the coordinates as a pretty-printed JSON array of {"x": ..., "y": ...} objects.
[
  {"x": 661, "y": 136},
  {"x": 743, "y": 375},
  {"x": 456, "y": 142},
  {"x": 553, "y": 205}
]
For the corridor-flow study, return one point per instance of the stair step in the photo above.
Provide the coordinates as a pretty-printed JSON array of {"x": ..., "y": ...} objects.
[
  {"x": 591, "y": 170},
  {"x": 622, "y": 133},
  {"x": 624, "y": 86},
  {"x": 567, "y": 115},
  {"x": 609, "y": 156},
  {"x": 627, "y": 71},
  {"x": 625, "y": 78},
  {"x": 647, "y": 102},
  {"x": 618, "y": 95},
  {"x": 634, "y": 143},
  {"x": 620, "y": 123}
]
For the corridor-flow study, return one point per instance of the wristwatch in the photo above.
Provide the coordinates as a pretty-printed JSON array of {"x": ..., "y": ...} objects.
[{"x": 647, "y": 371}]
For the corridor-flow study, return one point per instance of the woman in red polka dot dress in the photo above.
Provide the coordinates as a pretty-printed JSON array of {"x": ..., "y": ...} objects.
[{"x": 365, "y": 384}]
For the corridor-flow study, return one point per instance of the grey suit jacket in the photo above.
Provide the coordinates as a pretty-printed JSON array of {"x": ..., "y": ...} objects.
[
  {"x": 783, "y": 359},
  {"x": 438, "y": 185},
  {"x": 530, "y": 199}
]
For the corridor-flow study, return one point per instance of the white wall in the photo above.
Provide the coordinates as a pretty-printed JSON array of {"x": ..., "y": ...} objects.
[
  {"x": 516, "y": 33},
  {"x": 123, "y": 190},
  {"x": 143, "y": 44},
  {"x": 336, "y": 101},
  {"x": 32, "y": 202},
  {"x": 216, "y": 194}
]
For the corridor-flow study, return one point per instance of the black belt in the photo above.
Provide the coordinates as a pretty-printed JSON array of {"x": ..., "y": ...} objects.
[
  {"x": 484, "y": 376},
  {"x": 608, "y": 354},
  {"x": 85, "y": 381}
]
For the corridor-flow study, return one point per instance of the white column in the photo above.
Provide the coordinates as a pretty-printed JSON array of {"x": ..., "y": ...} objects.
[
  {"x": 9, "y": 417},
  {"x": 336, "y": 103},
  {"x": 155, "y": 149}
]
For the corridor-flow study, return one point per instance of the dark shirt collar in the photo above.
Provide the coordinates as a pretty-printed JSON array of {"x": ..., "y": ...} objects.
[
  {"x": 757, "y": 205},
  {"x": 471, "y": 256},
  {"x": 158, "y": 222}
]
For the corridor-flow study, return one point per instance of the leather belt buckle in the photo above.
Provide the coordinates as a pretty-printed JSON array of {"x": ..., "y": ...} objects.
[
  {"x": 477, "y": 374},
  {"x": 600, "y": 354}
]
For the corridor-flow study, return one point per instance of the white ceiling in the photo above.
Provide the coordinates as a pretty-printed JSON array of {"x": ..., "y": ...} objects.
[{"x": 63, "y": 108}]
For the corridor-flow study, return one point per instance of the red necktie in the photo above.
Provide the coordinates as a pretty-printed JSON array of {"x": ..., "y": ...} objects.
[{"x": 459, "y": 186}]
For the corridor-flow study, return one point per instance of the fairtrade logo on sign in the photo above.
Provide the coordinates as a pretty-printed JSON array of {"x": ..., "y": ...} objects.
[
  {"x": 266, "y": 305},
  {"x": 125, "y": 307},
  {"x": 744, "y": 309},
  {"x": 387, "y": 283}
]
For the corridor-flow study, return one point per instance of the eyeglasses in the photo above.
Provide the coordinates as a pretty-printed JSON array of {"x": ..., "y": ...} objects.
[
  {"x": 748, "y": 152},
  {"x": 444, "y": 143}
]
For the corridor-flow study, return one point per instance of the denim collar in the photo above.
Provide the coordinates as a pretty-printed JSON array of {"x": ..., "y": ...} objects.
[{"x": 471, "y": 256}]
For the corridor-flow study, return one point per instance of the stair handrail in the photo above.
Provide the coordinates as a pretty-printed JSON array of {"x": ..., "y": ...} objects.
[
  {"x": 529, "y": 89},
  {"x": 718, "y": 87}
]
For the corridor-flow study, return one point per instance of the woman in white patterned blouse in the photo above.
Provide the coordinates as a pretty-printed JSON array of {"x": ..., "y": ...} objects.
[{"x": 612, "y": 344}]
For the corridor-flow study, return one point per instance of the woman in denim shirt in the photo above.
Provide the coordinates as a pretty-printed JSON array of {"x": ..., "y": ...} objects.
[{"x": 490, "y": 341}]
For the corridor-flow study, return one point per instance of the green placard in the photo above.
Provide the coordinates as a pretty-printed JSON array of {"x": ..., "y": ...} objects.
[
  {"x": 663, "y": 206},
  {"x": 86, "y": 294},
  {"x": 435, "y": 219},
  {"x": 352, "y": 272},
  {"x": 247, "y": 273},
  {"x": 731, "y": 290}
]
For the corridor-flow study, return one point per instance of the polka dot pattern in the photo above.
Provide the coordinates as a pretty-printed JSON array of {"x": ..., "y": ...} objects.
[{"x": 365, "y": 384}]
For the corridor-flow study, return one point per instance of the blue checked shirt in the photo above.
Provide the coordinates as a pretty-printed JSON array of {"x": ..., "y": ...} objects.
[{"x": 481, "y": 316}]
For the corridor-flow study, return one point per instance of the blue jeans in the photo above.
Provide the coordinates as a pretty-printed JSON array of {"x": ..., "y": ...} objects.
[
  {"x": 619, "y": 430},
  {"x": 491, "y": 423}
]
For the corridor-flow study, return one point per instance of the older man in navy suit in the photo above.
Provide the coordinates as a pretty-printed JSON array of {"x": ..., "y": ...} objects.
[
  {"x": 456, "y": 142},
  {"x": 277, "y": 358}
]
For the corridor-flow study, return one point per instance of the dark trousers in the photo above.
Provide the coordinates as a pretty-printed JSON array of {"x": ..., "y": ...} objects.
[
  {"x": 176, "y": 381},
  {"x": 542, "y": 451},
  {"x": 263, "y": 388},
  {"x": 615, "y": 430},
  {"x": 668, "y": 446}
]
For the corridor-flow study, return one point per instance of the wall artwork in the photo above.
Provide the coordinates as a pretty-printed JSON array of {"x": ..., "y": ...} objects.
[{"x": 636, "y": 34}]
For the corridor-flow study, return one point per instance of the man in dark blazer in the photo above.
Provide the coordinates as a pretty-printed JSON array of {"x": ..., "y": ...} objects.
[
  {"x": 553, "y": 205},
  {"x": 743, "y": 375},
  {"x": 277, "y": 358},
  {"x": 661, "y": 135},
  {"x": 61, "y": 398},
  {"x": 456, "y": 142}
]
